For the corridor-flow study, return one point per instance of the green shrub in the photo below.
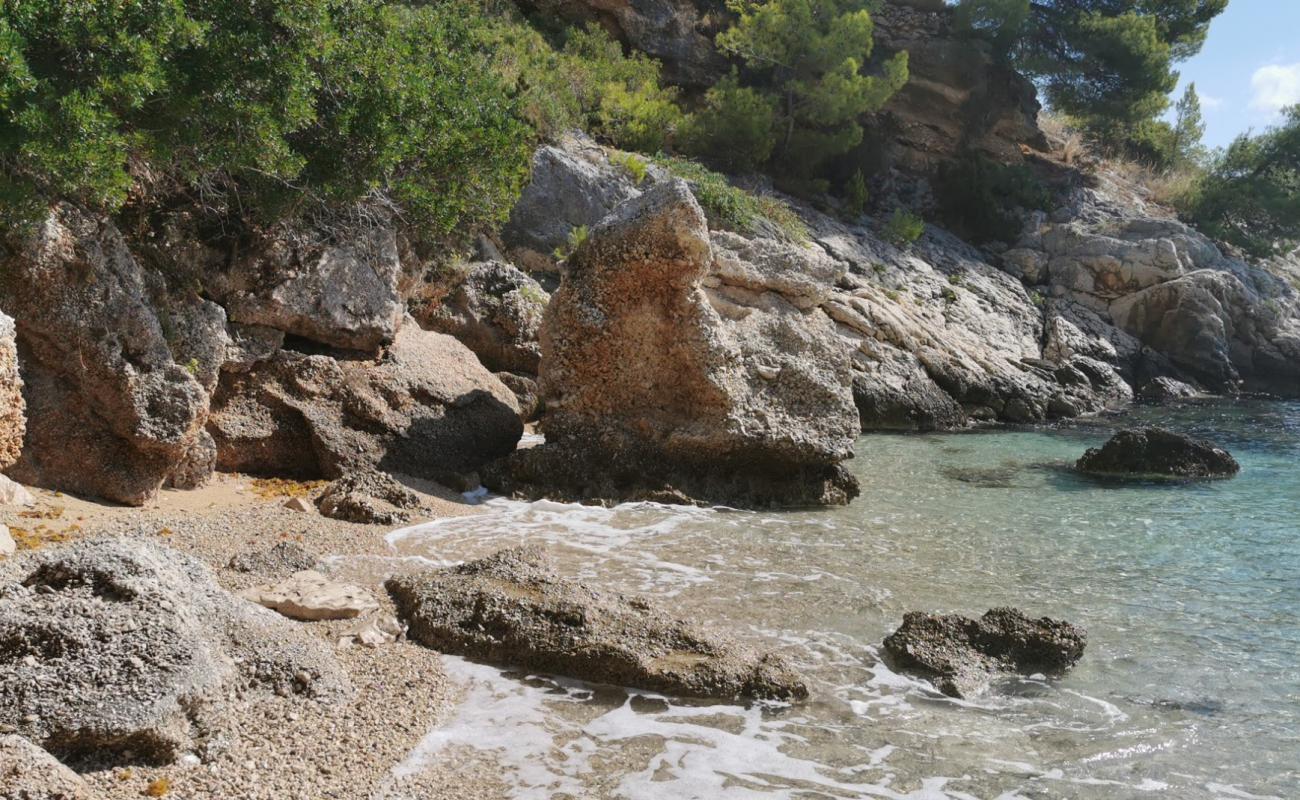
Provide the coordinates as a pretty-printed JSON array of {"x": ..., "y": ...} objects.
[
  {"x": 733, "y": 208},
  {"x": 903, "y": 228},
  {"x": 577, "y": 235},
  {"x": 641, "y": 118},
  {"x": 632, "y": 164},
  {"x": 735, "y": 128},
  {"x": 855, "y": 194},
  {"x": 980, "y": 198},
  {"x": 273, "y": 107}
]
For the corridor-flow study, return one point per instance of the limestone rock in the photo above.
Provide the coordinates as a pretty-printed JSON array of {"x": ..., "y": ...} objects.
[
  {"x": 425, "y": 406},
  {"x": 959, "y": 655},
  {"x": 572, "y": 185},
  {"x": 1158, "y": 453},
  {"x": 1163, "y": 390},
  {"x": 344, "y": 294},
  {"x": 13, "y": 493},
  {"x": 368, "y": 497},
  {"x": 527, "y": 394},
  {"x": 110, "y": 647},
  {"x": 29, "y": 773},
  {"x": 7, "y": 544},
  {"x": 102, "y": 386},
  {"x": 283, "y": 559},
  {"x": 310, "y": 596},
  {"x": 373, "y": 630},
  {"x": 656, "y": 379},
  {"x": 512, "y": 608},
  {"x": 298, "y": 504},
  {"x": 13, "y": 410},
  {"x": 496, "y": 311}
]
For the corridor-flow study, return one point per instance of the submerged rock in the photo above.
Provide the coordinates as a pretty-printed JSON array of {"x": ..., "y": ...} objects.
[
  {"x": 110, "y": 650},
  {"x": 660, "y": 378},
  {"x": 960, "y": 655},
  {"x": 512, "y": 608},
  {"x": 1158, "y": 453},
  {"x": 368, "y": 497},
  {"x": 29, "y": 773}
]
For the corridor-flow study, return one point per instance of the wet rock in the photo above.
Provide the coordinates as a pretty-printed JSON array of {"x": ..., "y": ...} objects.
[
  {"x": 102, "y": 386},
  {"x": 960, "y": 655},
  {"x": 13, "y": 409},
  {"x": 512, "y": 608},
  {"x": 425, "y": 406},
  {"x": 1158, "y": 453},
  {"x": 1165, "y": 390},
  {"x": 29, "y": 773},
  {"x": 111, "y": 650},
  {"x": 496, "y": 311},
  {"x": 310, "y": 596},
  {"x": 658, "y": 375},
  {"x": 369, "y": 497},
  {"x": 284, "y": 558}
]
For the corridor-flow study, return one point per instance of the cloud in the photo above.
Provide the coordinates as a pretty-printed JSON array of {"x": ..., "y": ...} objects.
[
  {"x": 1275, "y": 87},
  {"x": 1210, "y": 102}
]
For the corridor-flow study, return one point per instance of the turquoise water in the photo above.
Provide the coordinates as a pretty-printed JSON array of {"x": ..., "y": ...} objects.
[{"x": 1190, "y": 687}]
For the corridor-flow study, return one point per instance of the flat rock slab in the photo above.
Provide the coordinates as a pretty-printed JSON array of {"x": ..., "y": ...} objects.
[
  {"x": 513, "y": 609},
  {"x": 29, "y": 773},
  {"x": 1158, "y": 453},
  {"x": 960, "y": 655},
  {"x": 310, "y": 596}
]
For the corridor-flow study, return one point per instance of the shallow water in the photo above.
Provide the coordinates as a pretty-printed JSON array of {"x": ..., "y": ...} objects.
[{"x": 1190, "y": 687}]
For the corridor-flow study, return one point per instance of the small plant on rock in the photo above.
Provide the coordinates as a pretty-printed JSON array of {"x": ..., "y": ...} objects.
[{"x": 903, "y": 228}]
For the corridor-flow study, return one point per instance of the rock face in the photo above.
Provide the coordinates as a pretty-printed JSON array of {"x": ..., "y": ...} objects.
[
  {"x": 1158, "y": 453},
  {"x": 103, "y": 387},
  {"x": 111, "y": 649},
  {"x": 959, "y": 655},
  {"x": 13, "y": 409},
  {"x": 29, "y": 773},
  {"x": 343, "y": 294},
  {"x": 424, "y": 406},
  {"x": 653, "y": 383},
  {"x": 511, "y": 608},
  {"x": 496, "y": 311},
  {"x": 371, "y": 498}
]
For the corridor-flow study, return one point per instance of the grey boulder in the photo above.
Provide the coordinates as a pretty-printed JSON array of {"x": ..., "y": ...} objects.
[{"x": 1158, "y": 453}]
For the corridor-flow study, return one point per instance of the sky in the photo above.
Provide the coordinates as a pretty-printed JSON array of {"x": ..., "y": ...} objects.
[{"x": 1249, "y": 68}]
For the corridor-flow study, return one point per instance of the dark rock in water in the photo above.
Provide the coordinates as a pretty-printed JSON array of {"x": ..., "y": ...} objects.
[
  {"x": 283, "y": 559},
  {"x": 513, "y": 609},
  {"x": 959, "y": 655},
  {"x": 111, "y": 650},
  {"x": 1163, "y": 390},
  {"x": 983, "y": 477},
  {"x": 1158, "y": 453},
  {"x": 371, "y": 498}
]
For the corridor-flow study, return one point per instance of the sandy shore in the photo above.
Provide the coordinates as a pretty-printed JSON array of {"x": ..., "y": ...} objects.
[{"x": 271, "y": 747}]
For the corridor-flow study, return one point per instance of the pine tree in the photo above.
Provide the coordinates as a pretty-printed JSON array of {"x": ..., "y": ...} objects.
[{"x": 1189, "y": 129}]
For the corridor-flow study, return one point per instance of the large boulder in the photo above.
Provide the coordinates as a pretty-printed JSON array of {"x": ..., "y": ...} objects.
[
  {"x": 655, "y": 385},
  {"x": 496, "y": 311},
  {"x": 29, "y": 773},
  {"x": 425, "y": 406},
  {"x": 960, "y": 655},
  {"x": 343, "y": 293},
  {"x": 513, "y": 609},
  {"x": 1158, "y": 453},
  {"x": 112, "y": 650},
  {"x": 111, "y": 409},
  {"x": 13, "y": 409}
]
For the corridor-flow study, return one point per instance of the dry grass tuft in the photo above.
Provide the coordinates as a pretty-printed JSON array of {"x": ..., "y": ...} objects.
[{"x": 275, "y": 488}]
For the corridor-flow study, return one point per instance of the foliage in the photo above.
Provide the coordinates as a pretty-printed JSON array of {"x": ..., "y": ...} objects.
[
  {"x": 735, "y": 128},
  {"x": 806, "y": 57},
  {"x": 1250, "y": 195},
  {"x": 587, "y": 82},
  {"x": 577, "y": 235},
  {"x": 1107, "y": 63},
  {"x": 267, "y": 107},
  {"x": 981, "y": 199},
  {"x": 1188, "y": 129},
  {"x": 855, "y": 194},
  {"x": 903, "y": 228},
  {"x": 632, "y": 164},
  {"x": 733, "y": 208}
]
